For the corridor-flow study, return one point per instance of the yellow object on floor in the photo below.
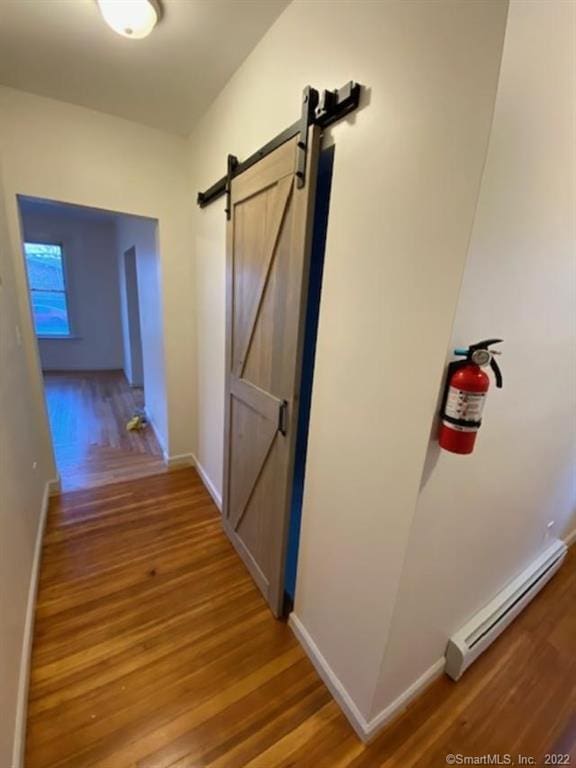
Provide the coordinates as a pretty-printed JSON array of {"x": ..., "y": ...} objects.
[{"x": 136, "y": 423}]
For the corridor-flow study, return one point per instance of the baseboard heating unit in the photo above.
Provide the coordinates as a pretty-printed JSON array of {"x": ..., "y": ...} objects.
[{"x": 468, "y": 643}]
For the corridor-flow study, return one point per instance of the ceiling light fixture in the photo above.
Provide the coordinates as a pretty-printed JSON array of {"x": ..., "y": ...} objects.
[{"x": 131, "y": 18}]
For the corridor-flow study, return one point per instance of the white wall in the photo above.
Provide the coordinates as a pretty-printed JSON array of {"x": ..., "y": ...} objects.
[
  {"x": 142, "y": 234},
  {"x": 89, "y": 246},
  {"x": 481, "y": 519},
  {"x": 71, "y": 154},
  {"x": 22, "y": 442},
  {"x": 406, "y": 180}
]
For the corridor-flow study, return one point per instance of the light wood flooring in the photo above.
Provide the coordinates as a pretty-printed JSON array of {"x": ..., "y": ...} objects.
[
  {"x": 88, "y": 412},
  {"x": 153, "y": 648}
]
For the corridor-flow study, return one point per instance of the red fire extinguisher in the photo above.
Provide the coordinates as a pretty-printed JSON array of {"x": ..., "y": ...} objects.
[{"x": 465, "y": 394}]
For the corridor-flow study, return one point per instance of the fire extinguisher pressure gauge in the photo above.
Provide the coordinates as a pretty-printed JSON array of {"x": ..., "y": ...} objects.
[{"x": 481, "y": 356}]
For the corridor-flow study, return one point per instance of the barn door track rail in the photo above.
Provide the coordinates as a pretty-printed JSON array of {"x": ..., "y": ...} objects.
[{"x": 322, "y": 110}]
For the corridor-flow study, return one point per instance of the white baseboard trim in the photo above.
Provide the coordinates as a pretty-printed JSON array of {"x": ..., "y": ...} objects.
[
  {"x": 210, "y": 487},
  {"x": 401, "y": 703},
  {"x": 332, "y": 682},
  {"x": 54, "y": 486},
  {"x": 189, "y": 460},
  {"x": 366, "y": 730},
  {"x": 179, "y": 460},
  {"x": 24, "y": 676},
  {"x": 158, "y": 436},
  {"x": 570, "y": 538}
]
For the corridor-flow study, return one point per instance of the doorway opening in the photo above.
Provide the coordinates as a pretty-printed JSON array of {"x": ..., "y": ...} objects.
[{"x": 94, "y": 294}]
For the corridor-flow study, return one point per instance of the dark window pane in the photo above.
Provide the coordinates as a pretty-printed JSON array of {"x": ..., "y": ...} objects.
[
  {"x": 50, "y": 313},
  {"x": 44, "y": 264}
]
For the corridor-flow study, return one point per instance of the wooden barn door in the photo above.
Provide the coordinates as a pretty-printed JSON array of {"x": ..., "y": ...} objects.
[{"x": 268, "y": 249}]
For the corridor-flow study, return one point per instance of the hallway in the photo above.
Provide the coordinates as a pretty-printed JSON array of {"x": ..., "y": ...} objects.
[
  {"x": 88, "y": 411},
  {"x": 153, "y": 648}
]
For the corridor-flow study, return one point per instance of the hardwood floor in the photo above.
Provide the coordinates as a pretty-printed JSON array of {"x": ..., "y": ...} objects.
[
  {"x": 88, "y": 412},
  {"x": 153, "y": 648}
]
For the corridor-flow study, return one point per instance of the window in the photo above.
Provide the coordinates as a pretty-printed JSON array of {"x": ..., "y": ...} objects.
[{"x": 45, "y": 265}]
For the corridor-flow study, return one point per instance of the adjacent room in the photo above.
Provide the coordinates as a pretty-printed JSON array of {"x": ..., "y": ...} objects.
[
  {"x": 287, "y": 383},
  {"x": 100, "y": 351}
]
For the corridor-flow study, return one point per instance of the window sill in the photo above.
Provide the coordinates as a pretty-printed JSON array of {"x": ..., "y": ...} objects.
[{"x": 59, "y": 338}]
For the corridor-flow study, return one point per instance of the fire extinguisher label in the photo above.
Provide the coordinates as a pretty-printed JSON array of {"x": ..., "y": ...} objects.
[{"x": 465, "y": 406}]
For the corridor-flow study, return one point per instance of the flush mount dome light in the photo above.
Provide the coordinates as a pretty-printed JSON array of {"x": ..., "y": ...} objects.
[{"x": 131, "y": 18}]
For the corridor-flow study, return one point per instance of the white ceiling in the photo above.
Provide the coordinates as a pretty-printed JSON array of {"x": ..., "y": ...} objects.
[{"x": 63, "y": 49}]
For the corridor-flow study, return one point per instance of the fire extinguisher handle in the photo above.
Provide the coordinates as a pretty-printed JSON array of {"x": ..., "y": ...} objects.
[
  {"x": 484, "y": 344},
  {"x": 497, "y": 373}
]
